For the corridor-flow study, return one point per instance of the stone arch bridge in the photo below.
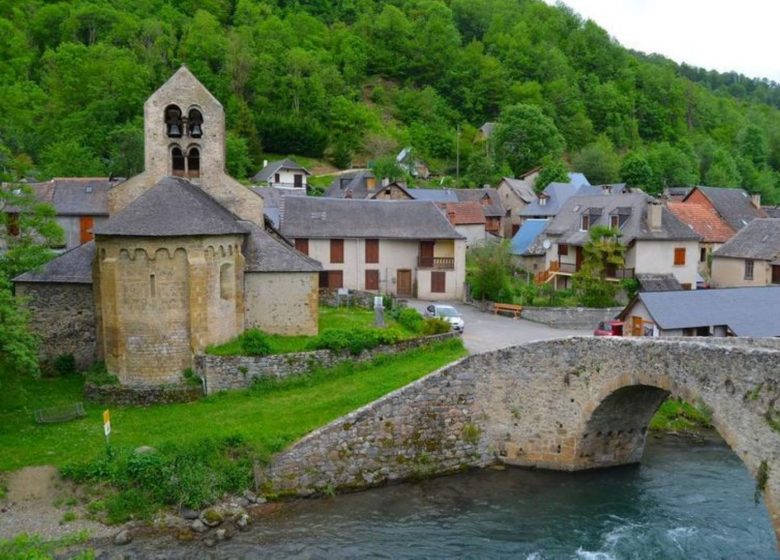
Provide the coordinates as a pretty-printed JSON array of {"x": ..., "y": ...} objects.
[{"x": 566, "y": 404}]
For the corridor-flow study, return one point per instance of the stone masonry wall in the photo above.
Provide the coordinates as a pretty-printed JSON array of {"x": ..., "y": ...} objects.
[
  {"x": 566, "y": 404},
  {"x": 142, "y": 396},
  {"x": 63, "y": 315},
  {"x": 570, "y": 317},
  {"x": 221, "y": 373}
]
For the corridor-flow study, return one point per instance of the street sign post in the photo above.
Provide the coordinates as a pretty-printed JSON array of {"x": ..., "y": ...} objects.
[{"x": 107, "y": 424}]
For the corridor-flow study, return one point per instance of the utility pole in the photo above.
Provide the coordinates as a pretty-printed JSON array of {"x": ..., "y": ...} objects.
[{"x": 457, "y": 157}]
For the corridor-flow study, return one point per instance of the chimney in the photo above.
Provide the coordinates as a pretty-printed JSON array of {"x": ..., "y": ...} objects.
[
  {"x": 385, "y": 181},
  {"x": 756, "y": 200},
  {"x": 654, "y": 209},
  {"x": 451, "y": 216}
]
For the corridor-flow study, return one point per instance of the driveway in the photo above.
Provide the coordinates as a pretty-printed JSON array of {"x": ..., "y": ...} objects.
[{"x": 485, "y": 331}]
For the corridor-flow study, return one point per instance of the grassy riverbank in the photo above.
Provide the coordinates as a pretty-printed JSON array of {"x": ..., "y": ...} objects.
[{"x": 677, "y": 416}]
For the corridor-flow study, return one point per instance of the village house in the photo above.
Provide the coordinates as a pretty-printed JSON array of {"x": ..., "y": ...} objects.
[
  {"x": 715, "y": 312},
  {"x": 468, "y": 219},
  {"x": 528, "y": 246},
  {"x": 735, "y": 206},
  {"x": 515, "y": 196},
  {"x": 554, "y": 196},
  {"x": 182, "y": 262},
  {"x": 282, "y": 174},
  {"x": 751, "y": 257},
  {"x": 492, "y": 208},
  {"x": 713, "y": 230},
  {"x": 656, "y": 241},
  {"x": 405, "y": 248}
]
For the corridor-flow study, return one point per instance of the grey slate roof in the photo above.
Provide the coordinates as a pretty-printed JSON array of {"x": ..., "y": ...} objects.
[
  {"x": 314, "y": 217},
  {"x": 75, "y": 196},
  {"x": 734, "y": 205},
  {"x": 172, "y": 207},
  {"x": 522, "y": 190},
  {"x": 771, "y": 211},
  {"x": 264, "y": 253},
  {"x": 633, "y": 206},
  {"x": 658, "y": 282},
  {"x": 494, "y": 209},
  {"x": 759, "y": 240},
  {"x": 353, "y": 182},
  {"x": 71, "y": 267},
  {"x": 268, "y": 171},
  {"x": 435, "y": 195},
  {"x": 558, "y": 193},
  {"x": 746, "y": 311}
]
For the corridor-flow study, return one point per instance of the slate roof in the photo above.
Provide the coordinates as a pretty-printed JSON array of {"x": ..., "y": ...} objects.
[
  {"x": 658, "y": 282},
  {"x": 704, "y": 220},
  {"x": 734, "y": 205},
  {"x": 268, "y": 171},
  {"x": 487, "y": 129},
  {"x": 558, "y": 193},
  {"x": 495, "y": 208},
  {"x": 71, "y": 267},
  {"x": 315, "y": 217},
  {"x": 389, "y": 187},
  {"x": 463, "y": 213},
  {"x": 527, "y": 241},
  {"x": 74, "y": 196},
  {"x": 264, "y": 253},
  {"x": 771, "y": 211},
  {"x": 759, "y": 240},
  {"x": 354, "y": 182},
  {"x": 172, "y": 207},
  {"x": 633, "y": 206},
  {"x": 746, "y": 311},
  {"x": 522, "y": 190},
  {"x": 578, "y": 179},
  {"x": 435, "y": 195}
]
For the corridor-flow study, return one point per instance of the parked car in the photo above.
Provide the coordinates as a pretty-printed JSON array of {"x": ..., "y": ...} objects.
[
  {"x": 609, "y": 328},
  {"x": 446, "y": 313}
]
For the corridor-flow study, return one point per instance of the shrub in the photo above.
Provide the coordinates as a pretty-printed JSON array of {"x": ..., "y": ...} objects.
[
  {"x": 255, "y": 343},
  {"x": 98, "y": 375},
  {"x": 64, "y": 364},
  {"x": 410, "y": 319},
  {"x": 353, "y": 340},
  {"x": 435, "y": 326}
]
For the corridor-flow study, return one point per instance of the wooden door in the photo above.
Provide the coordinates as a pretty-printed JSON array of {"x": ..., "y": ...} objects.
[
  {"x": 298, "y": 181},
  {"x": 404, "y": 282},
  {"x": 580, "y": 258},
  {"x": 372, "y": 279},
  {"x": 85, "y": 229},
  {"x": 775, "y": 274}
]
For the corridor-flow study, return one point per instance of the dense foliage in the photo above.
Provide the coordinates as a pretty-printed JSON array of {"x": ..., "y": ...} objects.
[{"x": 356, "y": 80}]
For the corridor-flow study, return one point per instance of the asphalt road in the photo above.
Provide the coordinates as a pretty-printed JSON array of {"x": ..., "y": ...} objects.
[{"x": 485, "y": 331}]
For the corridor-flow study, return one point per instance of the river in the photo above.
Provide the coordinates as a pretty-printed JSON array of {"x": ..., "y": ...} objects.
[{"x": 686, "y": 500}]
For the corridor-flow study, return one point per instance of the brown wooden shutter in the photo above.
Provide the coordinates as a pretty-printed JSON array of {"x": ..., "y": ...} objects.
[
  {"x": 85, "y": 229},
  {"x": 302, "y": 245},
  {"x": 372, "y": 279},
  {"x": 679, "y": 256},
  {"x": 324, "y": 279},
  {"x": 372, "y": 251},
  {"x": 337, "y": 250},
  {"x": 438, "y": 282},
  {"x": 335, "y": 279}
]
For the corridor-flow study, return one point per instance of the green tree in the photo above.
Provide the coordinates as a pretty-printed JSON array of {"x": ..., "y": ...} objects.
[
  {"x": 635, "y": 171},
  {"x": 599, "y": 162},
  {"x": 524, "y": 135},
  {"x": 239, "y": 162},
  {"x": 387, "y": 168},
  {"x": 672, "y": 167},
  {"x": 553, "y": 171},
  {"x": 489, "y": 271},
  {"x": 723, "y": 170},
  {"x": 602, "y": 253}
]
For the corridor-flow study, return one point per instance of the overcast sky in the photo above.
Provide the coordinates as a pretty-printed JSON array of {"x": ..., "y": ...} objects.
[{"x": 721, "y": 35}]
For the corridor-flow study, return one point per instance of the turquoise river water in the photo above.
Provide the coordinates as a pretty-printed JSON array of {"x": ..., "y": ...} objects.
[{"x": 686, "y": 500}]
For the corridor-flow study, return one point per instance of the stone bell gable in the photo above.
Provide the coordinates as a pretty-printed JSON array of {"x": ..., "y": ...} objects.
[{"x": 184, "y": 136}]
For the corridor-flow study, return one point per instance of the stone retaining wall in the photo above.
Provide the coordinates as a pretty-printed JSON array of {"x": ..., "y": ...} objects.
[
  {"x": 570, "y": 317},
  {"x": 221, "y": 373},
  {"x": 142, "y": 396}
]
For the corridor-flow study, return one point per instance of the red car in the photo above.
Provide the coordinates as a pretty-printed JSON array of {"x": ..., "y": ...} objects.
[{"x": 609, "y": 328}]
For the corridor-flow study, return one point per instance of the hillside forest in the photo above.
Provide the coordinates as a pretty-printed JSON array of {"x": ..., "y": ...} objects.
[{"x": 354, "y": 81}]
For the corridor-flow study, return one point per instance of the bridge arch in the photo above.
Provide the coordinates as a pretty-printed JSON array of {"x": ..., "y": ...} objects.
[{"x": 567, "y": 404}]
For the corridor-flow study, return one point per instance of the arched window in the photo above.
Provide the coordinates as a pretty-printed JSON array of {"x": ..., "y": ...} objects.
[
  {"x": 173, "y": 121},
  {"x": 226, "y": 281},
  {"x": 177, "y": 162},
  {"x": 193, "y": 162},
  {"x": 195, "y": 123}
]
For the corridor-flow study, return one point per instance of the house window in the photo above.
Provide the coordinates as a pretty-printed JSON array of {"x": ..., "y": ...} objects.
[
  {"x": 748, "y": 269},
  {"x": 563, "y": 250},
  {"x": 226, "y": 281},
  {"x": 679, "y": 256},
  {"x": 193, "y": 162},
  {"x": 614, "y": 221},
  {"x": 372, "y": 251},
  {"x": 177, "y": 162},
  {"x": 276, "y": 178},
  {"x": 703, "y": 254},
  {"x": 438, "y": 282},
  {"x": 331, "y": 279},
  {"x": 372, "y": 279},
  {"x": 585, "y": 222},
  {"x": 302, "y": 245},
  {"x": 337, "y": 250},
  {"x": 12, "y": 225}
]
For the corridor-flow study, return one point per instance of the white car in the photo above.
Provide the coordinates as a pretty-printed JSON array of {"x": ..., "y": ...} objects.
[{"x": 446, "y": 313}]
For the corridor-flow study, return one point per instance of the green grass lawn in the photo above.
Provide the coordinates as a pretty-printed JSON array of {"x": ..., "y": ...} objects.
[
  {"x": 269, "y": 416},
  {"x": 330, "y": 318},
  {"x": 680, "y": 417}
]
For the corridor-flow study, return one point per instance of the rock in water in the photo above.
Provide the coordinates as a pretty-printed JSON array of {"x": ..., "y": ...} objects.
[
  {"x": 198, "y": 526},
  {"x": 188, "y": 513},
  {"x": 211, "y": 517}
]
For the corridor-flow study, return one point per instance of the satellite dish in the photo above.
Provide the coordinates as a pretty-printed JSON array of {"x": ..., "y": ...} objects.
[{"x": 546, "y": 244}]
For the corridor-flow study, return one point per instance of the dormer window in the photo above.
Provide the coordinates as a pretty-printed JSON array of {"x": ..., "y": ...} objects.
[
  {"x": 173, "y": 121},
  {"x": 585, "y": 222},
  {"x": 195, "y": 123},
  {"x": 614, "y": 221}
]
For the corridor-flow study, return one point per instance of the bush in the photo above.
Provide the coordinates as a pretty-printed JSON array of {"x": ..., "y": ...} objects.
[
  {"x": 98, "y": 375},
  {"x": 64, "y": 364},
  {"x": 353, "y": 340},
  {"x": 255, "y": 343},
  {"x": 435, "y": 326},
  {"x": 410, "y": 319}
]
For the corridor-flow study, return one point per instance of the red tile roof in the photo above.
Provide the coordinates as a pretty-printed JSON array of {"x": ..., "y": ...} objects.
[
  {"x": 463, "y": 213},
  {"x": 704, "y": 220}
]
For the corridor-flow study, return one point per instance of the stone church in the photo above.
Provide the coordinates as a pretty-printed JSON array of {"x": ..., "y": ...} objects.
[{"x": 185, "y": 259}]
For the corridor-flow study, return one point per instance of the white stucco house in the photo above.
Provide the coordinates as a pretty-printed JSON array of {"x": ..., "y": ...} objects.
[{"x": 282, "y": 174}]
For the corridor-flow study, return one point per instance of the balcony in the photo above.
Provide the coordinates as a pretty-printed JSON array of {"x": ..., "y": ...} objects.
[
  {"x": 568, "y": 269},
  {"x": 438, "y": 263}
]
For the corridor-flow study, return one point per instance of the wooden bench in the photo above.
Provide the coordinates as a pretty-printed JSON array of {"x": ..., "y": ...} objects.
[
  {"x": 508, "y": 307},
  {"x": 59, "y": 413}
]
